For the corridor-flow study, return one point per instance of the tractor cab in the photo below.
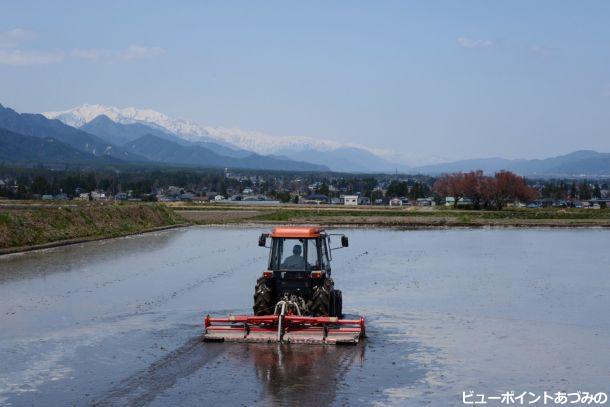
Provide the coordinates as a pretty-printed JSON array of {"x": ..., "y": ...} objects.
[
  {"x": 299, "y": 263},
  {"x": 299, "y": 252}
]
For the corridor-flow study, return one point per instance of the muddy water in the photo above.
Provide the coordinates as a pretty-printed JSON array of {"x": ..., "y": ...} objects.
[{"x": 118, "y": 322}]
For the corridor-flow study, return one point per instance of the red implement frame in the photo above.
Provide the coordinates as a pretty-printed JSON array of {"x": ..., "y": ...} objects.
[{"x": 284, "y": 328}]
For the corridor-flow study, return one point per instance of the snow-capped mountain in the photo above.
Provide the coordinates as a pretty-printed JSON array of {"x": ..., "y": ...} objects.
[
  {"x": 81, "y": 115},
  {"x": 260, "y": 143},
  {"x": 254, "y": 141}
]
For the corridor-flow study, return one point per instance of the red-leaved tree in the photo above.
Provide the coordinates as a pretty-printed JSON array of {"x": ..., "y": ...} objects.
[{"x": 487, "y": 192}]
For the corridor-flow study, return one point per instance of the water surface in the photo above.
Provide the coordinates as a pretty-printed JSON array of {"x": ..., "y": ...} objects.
[{"x": 118, "y": 322}]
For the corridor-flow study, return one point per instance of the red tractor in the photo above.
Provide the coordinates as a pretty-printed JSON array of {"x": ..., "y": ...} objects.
[{"x": 295, "y": 300}]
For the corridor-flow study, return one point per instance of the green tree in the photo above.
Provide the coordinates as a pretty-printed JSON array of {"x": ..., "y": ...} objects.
[
  {"x": 323, "y": 189},
  {"x": 397, "y": 189},
  {"x": 40, "y": 186}
]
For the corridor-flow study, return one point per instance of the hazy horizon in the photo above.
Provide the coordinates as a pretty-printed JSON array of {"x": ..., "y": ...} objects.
[{"x": 444, "y": 81}]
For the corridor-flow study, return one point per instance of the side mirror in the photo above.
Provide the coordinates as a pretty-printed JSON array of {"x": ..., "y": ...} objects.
[
  {"x": 262, "y": 240},
  {"x": 344, "y": 241}
]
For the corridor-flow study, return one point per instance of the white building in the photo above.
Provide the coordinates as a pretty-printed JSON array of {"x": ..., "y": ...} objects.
[
  {"x": 98, "y": 196},
  {"x": 350, "y": 200}
]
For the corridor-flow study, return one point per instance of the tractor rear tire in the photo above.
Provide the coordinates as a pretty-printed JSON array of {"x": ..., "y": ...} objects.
[
  {"x": 336, "y": 307},
  {"x": 320, "y": 304},
  {"x": 263, "y": 298}
]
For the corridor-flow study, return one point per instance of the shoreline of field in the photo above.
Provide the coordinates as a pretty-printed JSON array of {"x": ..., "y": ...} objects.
[
  {"x": 30, "y": 226},
  {"x": 411, "y": 217},
  {"x": 157, "y": 217}
]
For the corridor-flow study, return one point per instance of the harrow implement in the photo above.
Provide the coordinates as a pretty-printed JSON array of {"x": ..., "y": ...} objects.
[{"x": 284, "y": 328}]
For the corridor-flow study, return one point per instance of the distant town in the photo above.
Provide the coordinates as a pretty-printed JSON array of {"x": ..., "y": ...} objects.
[{"x": 463, "y": 190}]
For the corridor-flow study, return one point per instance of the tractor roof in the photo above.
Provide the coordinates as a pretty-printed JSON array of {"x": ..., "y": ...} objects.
[{"x": 297, "y": 231}]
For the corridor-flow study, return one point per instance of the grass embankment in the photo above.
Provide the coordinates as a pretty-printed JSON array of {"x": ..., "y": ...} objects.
[
  {"x": 27, "y": 226},
  {"x": 396, "y": 217}
]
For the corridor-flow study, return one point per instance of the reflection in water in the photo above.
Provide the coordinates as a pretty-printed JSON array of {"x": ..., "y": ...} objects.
[
  {"x": 232, "y": 373},
  {"x": 301, "y": 374},
  {"x": 27, "y": 265}
]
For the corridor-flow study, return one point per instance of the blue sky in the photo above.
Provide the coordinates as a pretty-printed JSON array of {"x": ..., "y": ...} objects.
[{"x": 436, "y": 79}]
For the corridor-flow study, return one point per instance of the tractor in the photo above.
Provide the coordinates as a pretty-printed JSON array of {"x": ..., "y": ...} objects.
[{"x": 295, "y": 300}]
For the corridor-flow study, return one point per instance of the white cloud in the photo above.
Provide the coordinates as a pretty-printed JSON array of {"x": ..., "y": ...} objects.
[
  {"x": 130, "y": 53},
  {"x": 140, "y": 51},
  {"x": 14, "y": 37},
  {"x": 17, "y": 57},
  {"x": 540, "y": 50},
  {"x": 473, "y": 43},
  {"x": 11, "y": 54},
  {"x": 91, "y": 54}
]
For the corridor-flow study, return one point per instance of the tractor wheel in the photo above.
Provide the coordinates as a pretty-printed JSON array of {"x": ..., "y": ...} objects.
[
  {"x": 263, "y": 298},
  {"x": 336, "y": 308},
  {"x": 320, "y": 304}
]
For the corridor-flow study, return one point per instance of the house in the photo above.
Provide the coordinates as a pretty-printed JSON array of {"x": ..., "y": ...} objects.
[
  {"x": 350, "y": 200},
  {"x": 424, "y": 201},
  {"x": 364, "y": 200},
  {"x": 465, "y": 202},
  {"x": 174, "y": 191},
  {"x": 98, "y": 196},
  {"x": 165, "y": 198},
  {"x": 395, "y": 202},
  {"x": 316, "y": 199},
  {"x": 187, "y": 196},
  {"x": 450, "y": 201}
]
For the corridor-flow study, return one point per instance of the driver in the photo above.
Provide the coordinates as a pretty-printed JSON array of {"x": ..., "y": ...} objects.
[{"x": 296, "y": 261}]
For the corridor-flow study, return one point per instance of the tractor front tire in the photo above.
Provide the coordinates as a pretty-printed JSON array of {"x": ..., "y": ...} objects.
[{"x": 263, "y": 298}]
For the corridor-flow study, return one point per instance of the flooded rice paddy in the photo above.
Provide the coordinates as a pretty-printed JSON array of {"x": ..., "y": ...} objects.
[{"x": 118, "y": 322}]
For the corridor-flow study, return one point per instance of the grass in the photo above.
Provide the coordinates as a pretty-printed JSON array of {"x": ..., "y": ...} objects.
[
  {"x": 459, "y": 214},
  {"x": 27, "y": 226}
]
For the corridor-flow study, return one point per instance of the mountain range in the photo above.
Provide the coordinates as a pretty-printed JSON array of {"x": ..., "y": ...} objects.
[
  {"x": 37, "y": 125},
  {"x": 119, "y": 143},
  {"x": 120, "y": 134},
  {"x": 327, "y": 153},
  {"x": 108, "y": 135},
  {"x": 578, "y": 163},
  {"x": 20, "y": 149}
]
